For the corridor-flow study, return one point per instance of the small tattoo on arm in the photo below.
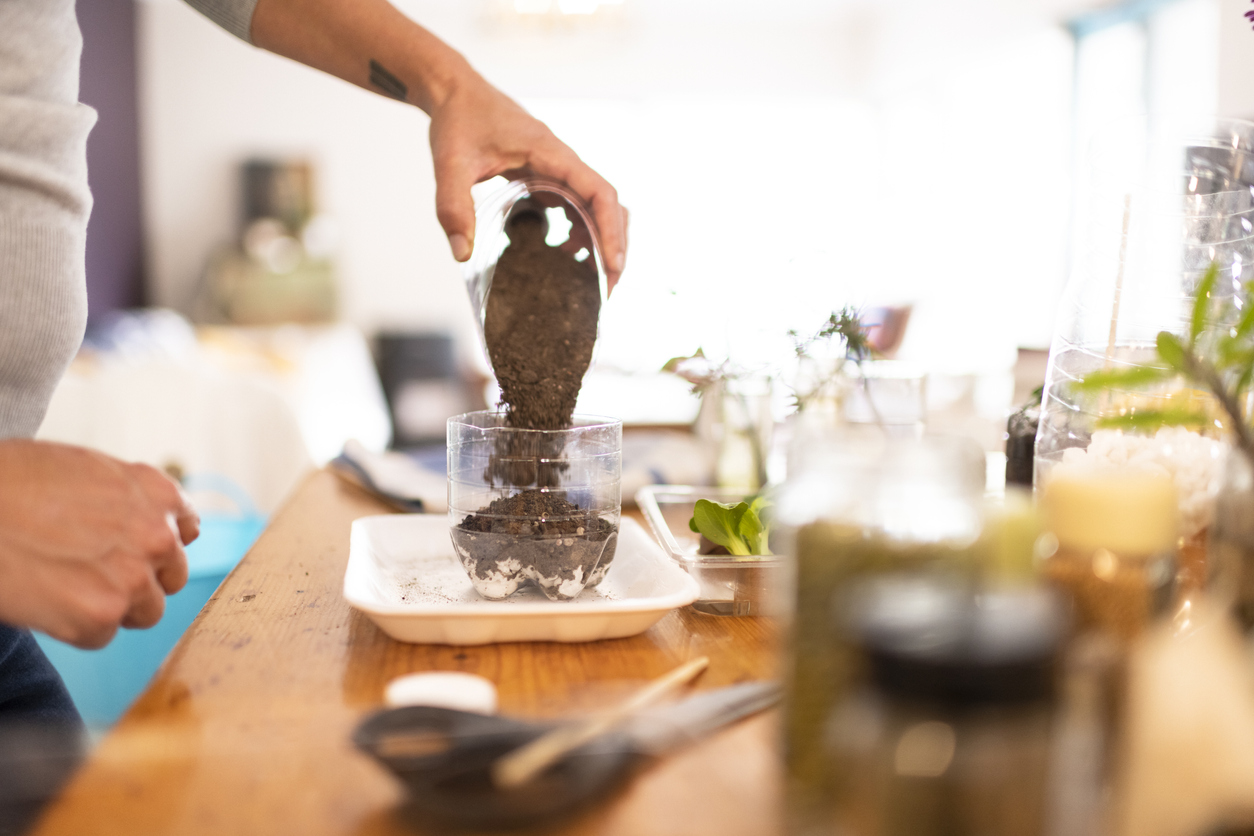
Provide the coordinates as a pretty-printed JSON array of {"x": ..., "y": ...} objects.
[{"x": 389, "y": 84}]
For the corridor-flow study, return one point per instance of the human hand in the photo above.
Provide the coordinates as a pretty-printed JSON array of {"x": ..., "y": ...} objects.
[
  {"x": 88, "y": 543},
  {"x": 477, "y": 132}
]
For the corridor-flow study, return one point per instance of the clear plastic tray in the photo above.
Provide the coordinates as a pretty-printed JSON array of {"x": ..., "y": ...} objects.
[{"x": 729, "y": 584}]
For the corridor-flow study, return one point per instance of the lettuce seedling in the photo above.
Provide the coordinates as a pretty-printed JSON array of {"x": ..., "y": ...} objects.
[{"x": 738, "y": 527}]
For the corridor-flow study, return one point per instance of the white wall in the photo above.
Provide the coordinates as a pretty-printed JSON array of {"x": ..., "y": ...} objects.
[
  {"x": 1236, "y": 60},
  {"x": 208, "y": 101},
  {"x": 920, "y": 139}
]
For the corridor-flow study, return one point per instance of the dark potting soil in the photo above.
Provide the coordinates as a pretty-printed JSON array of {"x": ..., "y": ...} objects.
[
  {"x": 535, "y": 536},
  {"x": 540, "y": 327}
]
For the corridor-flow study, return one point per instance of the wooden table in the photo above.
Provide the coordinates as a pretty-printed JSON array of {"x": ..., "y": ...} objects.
[{"x": 245, "y": 729}]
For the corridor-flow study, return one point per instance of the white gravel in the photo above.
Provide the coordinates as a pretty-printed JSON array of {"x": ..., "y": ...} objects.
[{"x": 1194, "y": 463}]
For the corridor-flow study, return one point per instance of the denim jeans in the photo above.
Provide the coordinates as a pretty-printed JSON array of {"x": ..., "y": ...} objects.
[{"x": 41, "y": 733}]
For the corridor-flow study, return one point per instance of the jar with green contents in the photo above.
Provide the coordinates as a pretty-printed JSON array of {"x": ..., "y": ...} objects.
[
  {"x": 953, "y": 733},
  {"x": 857, "y": 505}
]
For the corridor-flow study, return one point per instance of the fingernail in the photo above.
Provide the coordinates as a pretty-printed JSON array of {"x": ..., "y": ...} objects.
[
  {"x": 460, "y": 245},
  {"x": 620, "y": 261}
]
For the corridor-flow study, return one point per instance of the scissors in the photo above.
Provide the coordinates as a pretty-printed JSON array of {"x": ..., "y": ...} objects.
[{"x": 445, "y": 756}]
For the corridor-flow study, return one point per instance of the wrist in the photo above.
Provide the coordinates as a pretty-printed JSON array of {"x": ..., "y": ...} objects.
[{"x": 439, "y": 74}]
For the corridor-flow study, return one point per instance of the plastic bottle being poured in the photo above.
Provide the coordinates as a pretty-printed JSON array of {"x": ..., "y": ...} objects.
[{"x": 551, "y": 478}]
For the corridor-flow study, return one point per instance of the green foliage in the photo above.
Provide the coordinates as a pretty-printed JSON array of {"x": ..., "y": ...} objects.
[
  {"x": 1217, "y": 355},
  {"x": 1172, "y": 351},
  {"x": 1153, "y": 419},
  {"x": 1201, "y": 304},
  {"x": 1131, "y": 377},
  {"x": 845, "y": 325},
  {"x": 738, "y": 527},
  {"x": 698, "y": 370}
]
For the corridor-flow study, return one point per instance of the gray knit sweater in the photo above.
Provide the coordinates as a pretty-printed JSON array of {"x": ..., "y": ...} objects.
[{"x": 44, "y": 199}]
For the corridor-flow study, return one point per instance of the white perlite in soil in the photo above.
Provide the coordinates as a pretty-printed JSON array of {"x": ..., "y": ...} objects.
[
  {"x": 442, "y": 580},
  {"x": 1194, "y": 463}
]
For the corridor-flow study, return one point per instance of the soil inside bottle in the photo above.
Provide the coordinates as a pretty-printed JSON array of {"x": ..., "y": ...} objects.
[{"x": 540, "y": 326}]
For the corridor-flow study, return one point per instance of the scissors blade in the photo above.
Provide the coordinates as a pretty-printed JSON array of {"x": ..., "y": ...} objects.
[{"x": 657, "y": 731}]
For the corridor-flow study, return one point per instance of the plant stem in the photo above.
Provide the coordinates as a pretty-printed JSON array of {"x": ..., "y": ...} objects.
[{"x": 1206, "y": 374}]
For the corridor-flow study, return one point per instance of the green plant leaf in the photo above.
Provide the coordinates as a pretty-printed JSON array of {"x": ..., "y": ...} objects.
[
  {"x": 754, "y": 532},
  {"x": 1172, "y": 351},
  {"x": 720, "y": 523},
  {"x": 1144, "y": 420},
  {"x": 1246, "y": 325},
  {"x": 674, "y": 364},
  {"x": 1197, "y": 322},
  {"x": 759, "y": 505},
  {"x": 1132, "y": 377},
  {"x": 1222, "y": 364}
]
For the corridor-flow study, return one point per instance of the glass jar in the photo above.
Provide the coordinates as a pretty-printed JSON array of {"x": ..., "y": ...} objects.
[
  {"x": 953, "y": 732},
  {"x": 744, "y": 432},
  {"x": 535, "y": 507},
  {"x": 858, "y": 504},
  {"x": 890, "y": 393}
]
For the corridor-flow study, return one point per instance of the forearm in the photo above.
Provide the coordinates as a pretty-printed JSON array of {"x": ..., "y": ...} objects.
[
  {"x": 476, "y": 131},
  {"x": 365, "y": 42}
]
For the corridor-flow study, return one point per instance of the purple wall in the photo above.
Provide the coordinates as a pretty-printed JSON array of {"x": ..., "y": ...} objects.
[{"x": 115, "y": 257}]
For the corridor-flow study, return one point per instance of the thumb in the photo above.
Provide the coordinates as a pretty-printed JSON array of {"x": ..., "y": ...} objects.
[{"x": 454, "y": 206}]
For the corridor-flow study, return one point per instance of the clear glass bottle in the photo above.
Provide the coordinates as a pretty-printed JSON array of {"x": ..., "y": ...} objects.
[
  {"x": 857, "y": 504},
  {"x": 1159, "y": 212},
  {"x": 744, "y": 431}
]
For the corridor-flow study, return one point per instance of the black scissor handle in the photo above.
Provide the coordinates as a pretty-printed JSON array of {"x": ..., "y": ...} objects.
[{"x": 445, "y": 757}]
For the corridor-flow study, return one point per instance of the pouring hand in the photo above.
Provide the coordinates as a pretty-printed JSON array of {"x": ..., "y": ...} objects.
[{"x": 477, "y": 132}]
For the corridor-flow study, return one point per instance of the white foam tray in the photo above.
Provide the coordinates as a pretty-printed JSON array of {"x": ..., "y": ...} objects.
[{"x": 403, "y": 574}]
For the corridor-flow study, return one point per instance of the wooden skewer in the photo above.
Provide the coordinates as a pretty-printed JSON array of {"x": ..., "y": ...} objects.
[
  {"x": 526, "y": 762},
  {"x": 1123, "y": 256}
]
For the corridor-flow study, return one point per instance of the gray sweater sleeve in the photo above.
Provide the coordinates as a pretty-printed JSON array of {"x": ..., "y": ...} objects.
[
  {"x": 44, "y": 204},
  {"x": 235, "y": 16}
]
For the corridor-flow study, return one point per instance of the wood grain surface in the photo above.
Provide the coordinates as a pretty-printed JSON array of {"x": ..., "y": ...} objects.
[{"x": 245, "y": 729}]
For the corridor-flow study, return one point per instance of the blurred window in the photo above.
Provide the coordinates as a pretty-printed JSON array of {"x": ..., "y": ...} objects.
[
  {"x": 1155, "y": 60},
  {"x": 752, "y": 217}
]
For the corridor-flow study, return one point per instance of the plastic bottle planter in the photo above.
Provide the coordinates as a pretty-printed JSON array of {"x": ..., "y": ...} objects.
[
  {"x": 535, "y": 507},
  {"x": 568, "y": 224}
]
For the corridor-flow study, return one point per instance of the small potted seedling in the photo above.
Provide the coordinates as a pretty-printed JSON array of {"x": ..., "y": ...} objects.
[{"x": 721, "y": 535}]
